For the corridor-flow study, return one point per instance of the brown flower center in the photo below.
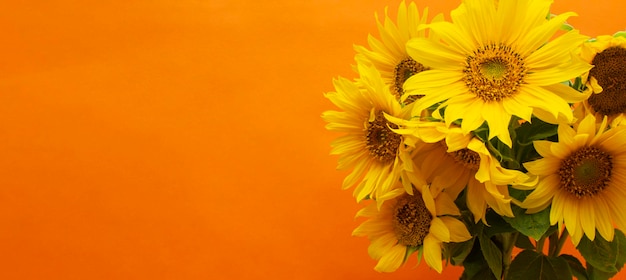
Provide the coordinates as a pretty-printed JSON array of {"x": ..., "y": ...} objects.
[
  {"x": 586, "y": 172},
  {"x": 380, "y": 140},
  {"x": 610, "y": 71},
  {"x": 466, "y": 157},
  {"x": 494, "y": 72},
  {"x": 404, "y": 70},
  {"x": 411, "y": 220}
]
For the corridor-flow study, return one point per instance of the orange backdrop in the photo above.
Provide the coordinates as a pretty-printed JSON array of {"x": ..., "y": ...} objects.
[{"x": 156, "y": 139}]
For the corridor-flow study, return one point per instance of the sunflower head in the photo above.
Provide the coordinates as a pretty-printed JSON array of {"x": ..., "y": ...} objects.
[
  {"x": 388, "y": 53},
  {"x": 407, "y": 223},
  {"x": 606, "y": 81},
  {"x": 496, "y": 60},
  {"x": 582, "y": 177},
  {"x": 370, "y": 146},
  {"x": 454, "y": 162}
]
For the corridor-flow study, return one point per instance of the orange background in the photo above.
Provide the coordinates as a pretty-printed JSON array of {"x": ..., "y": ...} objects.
[{"x": 183, "y": 139}]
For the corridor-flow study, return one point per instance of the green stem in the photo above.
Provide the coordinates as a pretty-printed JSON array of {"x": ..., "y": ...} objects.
[
  {"x": 554, "y": 238},
  {"x": 540, "y": 243},
  {"x": 559, "y": 245},
  {"x": 508, "y": 245}
]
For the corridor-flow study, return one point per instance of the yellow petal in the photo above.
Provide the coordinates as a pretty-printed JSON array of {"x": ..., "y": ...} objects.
[
  {"x": 543, "y": 147},
  {"x": 453, "y": 36},
  {"x": 432, "y": 79},
  {"x": 597, "y": 88},
  {"x": 566, "y": 135},
  {"x": 458, "y": 230},
  {"x": 552, "y": 52},
  {"x": 557, "y": 208},
  {"x": 392, "y": 259},
  {"x": 381, "y": 245},
  {"x": 473, "y": 117},
  {"x": 540, "y": 98},
  {"x": 433, "y": 54},
  {"x": 432, "y": 253},
  {"x": 546, "y": 188},
  {"x": 616, "y": 204},
  {"x": 570, "y": 216},
  {"x": 513, "y": 107},
  {"x": 550, "y": 76},
  {"x": 575, "y": 237},
  {"x": 445, "y": 205},
  {"x": 498, "y": 120},
  {"x": 587, "y": 126},
  {"x": 568, "y": 94},
  {"x": 540, "y": 35},
  {"x": 587, "y": 217},
  {"x": 475, "y": 201},
  {"x": 544, "y": 166},
  {"x": 603, "y": 219},
  {"x": 500, "y": 203},
  {"x": 456, "y": 110},
  {"x": 439, "y": 230},
  {"x": 429, "y": 201},
  {"x": 432, "y": 95}
]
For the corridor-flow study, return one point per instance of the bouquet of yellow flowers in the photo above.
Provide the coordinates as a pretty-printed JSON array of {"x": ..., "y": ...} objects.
[{"x": 487, "y": 142}]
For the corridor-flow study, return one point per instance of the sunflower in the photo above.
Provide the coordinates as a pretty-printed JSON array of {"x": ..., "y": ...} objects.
[
  {"x": 389, "y": 54},
  {"x": 606, "y": 81},
  {"x": 455, "y": 161},
  {"x": 583, "y": 177},
  {"x": 494, "y": 62},
  {"x": 405, "y": 223},
  {"x": 370, "y": 147}
]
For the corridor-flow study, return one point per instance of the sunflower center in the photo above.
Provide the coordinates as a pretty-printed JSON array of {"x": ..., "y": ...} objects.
[
  {"x": 380, "y": 140},
  {"x": 403, "y": 71},
  {"x": 586, "y": 172},
  {"x": 494, "y": 72},
  {"x": 493, "y": 69},
  {"x": 610, "y": 71},
  {"x": 411, "y": 220},
  {"x": 466, "y": 157}
]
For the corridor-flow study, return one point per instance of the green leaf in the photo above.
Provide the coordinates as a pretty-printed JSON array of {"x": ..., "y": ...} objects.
[
  {"x": 503, "y": 153},
  {"x": 475, "y": 266},
  {"x": 597, "y": 271},
  {"x": 409, "y": 251},
  {"x": 519, "y": 194},
  {"x": 492, "y": 254},
  {"x": 457, "y": 252},
  {"x": 523, "y": 242},
  {"x": 576, "y": 267},
  {"x": 482, "y": 132},
  {"x": 596, "y": 274},
  {"x": 496, "y": 224},
  {"x": 483, "y": 273},
  {"x": 567, "y": 27},
  {"x": 599, "y": 253},
  {"x": 534, "y": 130},
  {"x": 533, "y": 225},
  {"x": 620, "y": 34},
  {"x": 533, "y": 265},
  {"x": 578, "y": 84},
  {"x": 621, "y": 249}
]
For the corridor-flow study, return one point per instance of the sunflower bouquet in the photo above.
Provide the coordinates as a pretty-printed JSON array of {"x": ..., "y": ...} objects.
[{"x": 487, "y": 141}]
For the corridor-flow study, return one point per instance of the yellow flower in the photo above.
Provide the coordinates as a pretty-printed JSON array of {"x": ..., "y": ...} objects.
[
  {"x": 583, "y": 177},
  {"x": 495, "y": 62},
  {"x": 607, "y": 79},
  {"x": 421, "y": 221},
  {"x": 389, "y": 54},
  {"x": 369, "y": 146},
  {"x": 455, "y": 161}
]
